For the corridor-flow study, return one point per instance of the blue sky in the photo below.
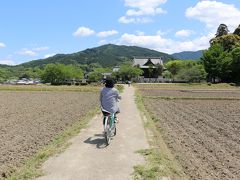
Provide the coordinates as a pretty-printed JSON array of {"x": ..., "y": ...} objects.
[{"x": 38, "y": 29}]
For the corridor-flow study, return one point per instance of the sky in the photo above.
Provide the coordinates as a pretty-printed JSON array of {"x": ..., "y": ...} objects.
[{"x": 38, "y": 29}]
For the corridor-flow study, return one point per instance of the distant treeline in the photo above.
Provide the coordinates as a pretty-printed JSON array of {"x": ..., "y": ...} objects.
[{"x": 219, "y": 63}]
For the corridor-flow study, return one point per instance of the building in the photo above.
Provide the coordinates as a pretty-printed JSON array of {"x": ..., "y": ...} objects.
[{"x": 149, "y": 65}]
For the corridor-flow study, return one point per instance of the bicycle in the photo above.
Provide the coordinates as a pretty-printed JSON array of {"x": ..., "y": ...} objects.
[{"x": 110, "y": 129}]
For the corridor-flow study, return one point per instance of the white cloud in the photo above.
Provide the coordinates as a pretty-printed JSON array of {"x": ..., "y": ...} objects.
[
  {"x": 142, "y": 8},
  {"x": 128, "y": 20},
  {"x": 160, "y": 33},
  {"x": 2, "y": 45},
  {"x": 141, "y": 4},
  {"x": 44, "y": 48},
  {"x": 214, "y": 13},
  {"x": 83, "y": 31},
  {"x": 102, "y": 42},
  {"x": 157, "y": 42},
  {"x": 7, "y": 62},
  {"x": 140, "y": 33},
  {"x": 27, "y": 52},
  {"x": 107, "y": 33},
  {"x": 146, "y": 11},
  {"x": 184, "y": 33},
  {"x": 49, "y": 55}
]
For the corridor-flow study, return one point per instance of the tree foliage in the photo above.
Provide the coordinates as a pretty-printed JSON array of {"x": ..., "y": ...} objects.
[
  {"x": 4, "y": 73},
  {"x": 222, "y": 30},
  {"x": 236, "y": 64},
  {"x": 187, "y": 70},
  {"x": 127, "y": 72},
  {"x": 221, "y": 60},
  {"x": 97, "y": 74},
  {"x": 57, "y": 74},
  {"x": 195, "y": 73}
]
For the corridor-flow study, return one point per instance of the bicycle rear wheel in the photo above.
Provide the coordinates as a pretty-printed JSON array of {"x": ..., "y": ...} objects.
[
  {"x": 107, "y": 133},
  {"x": 115, "y": 130}
]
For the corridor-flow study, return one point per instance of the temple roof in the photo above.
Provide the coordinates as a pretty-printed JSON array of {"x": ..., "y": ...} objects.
[{"x": 146, "y": 61}]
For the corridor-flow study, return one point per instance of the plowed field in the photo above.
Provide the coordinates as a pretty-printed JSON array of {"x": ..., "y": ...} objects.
[
  {"x": 30, "y": 120},
  {"x": 203, "y": 134}
]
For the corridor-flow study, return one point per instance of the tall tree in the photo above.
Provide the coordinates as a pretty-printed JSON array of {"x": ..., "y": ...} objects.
[
  {"x": 236, "y": 64},
  {"x": 57, "y": 73},
  {"x": 193, "y": 74},
  {"x": 174, "y": 67},
  {"x": 127, "y": 71},
  {"x": 212, "y": 61}
]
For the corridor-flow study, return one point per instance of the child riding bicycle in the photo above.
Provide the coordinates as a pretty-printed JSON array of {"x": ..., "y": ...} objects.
[{"x": 109, "y": 97}]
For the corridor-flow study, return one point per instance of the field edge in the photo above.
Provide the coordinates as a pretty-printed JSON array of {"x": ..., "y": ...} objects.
[
  {"x": 32, "y": 167},
  {"x": 159, "y": 160}
]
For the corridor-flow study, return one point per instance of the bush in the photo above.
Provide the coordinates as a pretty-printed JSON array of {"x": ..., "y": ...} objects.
[
  {"x": 83, "y": 83},
  {"x": 232, "y": 84}
]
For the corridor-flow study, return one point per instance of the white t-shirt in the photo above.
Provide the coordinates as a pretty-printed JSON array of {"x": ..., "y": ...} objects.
[{"x": 109, "y": 100}]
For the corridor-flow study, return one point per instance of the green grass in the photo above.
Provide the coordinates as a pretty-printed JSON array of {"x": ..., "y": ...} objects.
[
  {"x": 87, "y": 88},
  {"x": 191, "y": 98},
  {"x": 187, "y": 86},
  {"x": 158, "y": 165},
  {"x": 120, "y": 88},
  {"x": 159, "y": 160},
  {"x": 31, "y": 168}
]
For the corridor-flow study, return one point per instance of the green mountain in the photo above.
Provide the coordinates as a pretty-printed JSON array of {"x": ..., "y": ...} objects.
[
  {"x": 106, "y": 55},
  {"x": 4, "y": 66},
  {"x": 188, "y": 55}
]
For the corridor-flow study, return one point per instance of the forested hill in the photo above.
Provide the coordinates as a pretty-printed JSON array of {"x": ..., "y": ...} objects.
[
  {"x": 106, "y": 55},
  {"x": 188, "y": 55}
]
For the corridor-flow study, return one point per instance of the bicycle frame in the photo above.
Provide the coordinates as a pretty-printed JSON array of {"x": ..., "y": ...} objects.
[{"x": 109, "y": 127}]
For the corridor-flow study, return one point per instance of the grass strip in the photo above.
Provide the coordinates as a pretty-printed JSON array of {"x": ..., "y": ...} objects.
[
  {"x": 190, "y": 98},
  {"x": 87, "y": 88},
  {"x": 160, "y": 162},
  {"x": 31, "y": 168},
  {"x": 120, "y": 88},
  {"x": 187, "y": 85}
]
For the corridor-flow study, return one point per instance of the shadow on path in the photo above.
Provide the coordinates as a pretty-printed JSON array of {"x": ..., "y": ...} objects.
[{"x": 99, "y": 142}]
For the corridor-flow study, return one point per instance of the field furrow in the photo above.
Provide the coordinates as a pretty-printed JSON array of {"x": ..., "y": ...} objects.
[
  {"x": 200, "y": 126},
  {"x": 30, "y": 120}
]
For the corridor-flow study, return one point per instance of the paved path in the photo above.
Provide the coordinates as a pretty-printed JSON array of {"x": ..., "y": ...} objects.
[{"x": 88, "y": 157}]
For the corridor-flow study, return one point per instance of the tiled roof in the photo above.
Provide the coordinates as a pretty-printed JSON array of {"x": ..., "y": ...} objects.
[{"x": 142, "y": 61}]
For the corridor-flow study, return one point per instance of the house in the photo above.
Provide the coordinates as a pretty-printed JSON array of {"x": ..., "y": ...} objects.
[
  {"x": 149, "y": 65},
  {"x": 106, "y": 75},
  {"x": 116, "y": 69}
]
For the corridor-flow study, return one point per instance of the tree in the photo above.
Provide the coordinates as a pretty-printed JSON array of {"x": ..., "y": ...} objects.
[
  {"x": 4, "y": 75},
  {"x": 56, "y": 74},
  {"x": 225, "y": 73},
  {"x": 228, "y": 42},
  {"x": 211, "y": 60},
  {"x": 237, "y": 31},
  {"x": 174, "y": 67},
  {"x": 53, "y": 74},
  {"x": 127, "y": 71},
  {"x": 222, "y": 59},
  {"x": 236, "y": 64},
  {"x": 97, "y": 74},
  {"x": 159, "y": 69},
  {"x": 194, "y": 74},
  {"x": 222, "y": 30},
  {"x": 167, "y": 74}
]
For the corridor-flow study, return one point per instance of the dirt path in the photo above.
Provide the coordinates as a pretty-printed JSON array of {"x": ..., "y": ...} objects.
[{"x": 89, "y": 158}]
